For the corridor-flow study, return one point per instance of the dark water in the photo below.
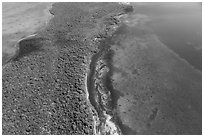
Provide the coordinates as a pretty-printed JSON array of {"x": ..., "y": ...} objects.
[{"x": 178, "y": 25}]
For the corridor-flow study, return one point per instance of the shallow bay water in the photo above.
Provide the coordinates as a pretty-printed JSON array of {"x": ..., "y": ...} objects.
[
  {"x": 159, "y": 63},
  {"x": 178, "y": 26},
  {"x": 19, "y": 20}
]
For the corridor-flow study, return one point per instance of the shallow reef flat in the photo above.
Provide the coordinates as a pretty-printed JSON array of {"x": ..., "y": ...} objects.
[{"x": 161, "y": 93}]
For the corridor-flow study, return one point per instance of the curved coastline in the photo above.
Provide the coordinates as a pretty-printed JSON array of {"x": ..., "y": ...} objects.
[{"x": 11, "y": 39}]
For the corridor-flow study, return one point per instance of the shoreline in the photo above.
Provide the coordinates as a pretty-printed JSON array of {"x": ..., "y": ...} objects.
[{"x": 12, "y": 39}]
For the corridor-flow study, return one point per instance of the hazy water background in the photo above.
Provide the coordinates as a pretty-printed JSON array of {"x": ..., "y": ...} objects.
[{"x": 178, "y": 25}]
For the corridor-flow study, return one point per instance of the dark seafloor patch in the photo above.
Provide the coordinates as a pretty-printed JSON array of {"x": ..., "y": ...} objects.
[{"x": 28, "y": 46}]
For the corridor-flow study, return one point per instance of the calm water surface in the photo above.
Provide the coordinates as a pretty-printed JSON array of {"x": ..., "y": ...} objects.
[{"x": 178, "y": 25}]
